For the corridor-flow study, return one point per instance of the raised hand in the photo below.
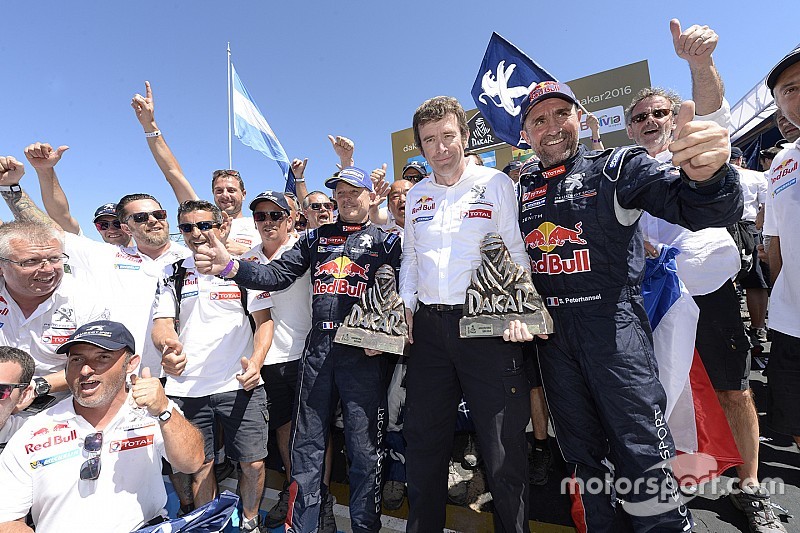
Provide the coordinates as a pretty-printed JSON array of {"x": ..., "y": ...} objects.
[
  {"x": 344, "y": 148},
  {"x": 11, "y": 170},
  {"x": 212, "y": 257},
  {"x": 299, "y": 168},
  {"x": 172, "y": 358},
  {"x": 145, "y": 108},
  {"x": 695, "y": 43},
  {"x": 42, "y": 155},
  {"x": 147, "y": 392}
]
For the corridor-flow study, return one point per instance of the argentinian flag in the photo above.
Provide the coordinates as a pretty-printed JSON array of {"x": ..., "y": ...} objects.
[{"x": 250, "y": 126}]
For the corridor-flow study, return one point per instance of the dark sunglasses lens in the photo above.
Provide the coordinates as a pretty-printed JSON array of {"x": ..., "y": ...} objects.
[
  {"x": 5, "y": 391},
  {"x": 660, "y": 113},
  {"x": 93, "y": 442},
  {"x": 276, "y": 215},
  {"x": 91, "y": 469},
  {"x": 259, "y": 216},
  {"x": 205, "y": 225},
  {"x": 186, "y": 228},
  {"x": 641, "y": 117}
]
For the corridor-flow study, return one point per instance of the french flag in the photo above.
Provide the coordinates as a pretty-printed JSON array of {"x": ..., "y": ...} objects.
[{"x": 693, "y": 413}]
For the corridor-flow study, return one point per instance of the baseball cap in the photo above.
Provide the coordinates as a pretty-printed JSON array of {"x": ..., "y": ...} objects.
[
  {"x": 770, "y": 152},
  {"x": 543, "y": 91},
  {"x": 736, "y": 152},
  {"x": 105, "y": 210},
  {"x": 352, "y": 175},
  {"x": 106, "y": 334},
  {"x": 276, "y": 198},
  {"x": 416, "y": 165},
  {"x": 512, "y": 165},
  {"x": 790, "y": 59}
]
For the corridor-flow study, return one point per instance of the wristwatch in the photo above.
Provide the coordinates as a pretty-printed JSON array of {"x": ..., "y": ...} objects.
[
  {"x": 167, "y": 414},
  {"x": 40, "y": 386},
  {"x": 10, "y": 188}
]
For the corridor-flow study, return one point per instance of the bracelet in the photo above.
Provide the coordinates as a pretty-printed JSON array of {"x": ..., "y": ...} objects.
[
  {"x": 301, "y": 180},
  {"x": 596, "y": 140},
  {"x": 10, "y": 188},
  {"x": 226, "y": 270},
  {"x": 149, "y": 134}
]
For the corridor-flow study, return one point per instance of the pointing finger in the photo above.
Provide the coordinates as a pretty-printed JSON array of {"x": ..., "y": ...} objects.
[
  {"x": 147, "y": 90},
  {"x": 685, "y": 115}
]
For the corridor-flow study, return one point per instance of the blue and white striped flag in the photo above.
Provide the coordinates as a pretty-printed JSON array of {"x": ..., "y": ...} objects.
[{"x": 252, "y": 128}]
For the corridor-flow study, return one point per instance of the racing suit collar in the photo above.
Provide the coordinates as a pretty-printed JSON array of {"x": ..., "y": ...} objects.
[
  {"x": 563, "y": 168},
  {"x": 351, "y": 227}
]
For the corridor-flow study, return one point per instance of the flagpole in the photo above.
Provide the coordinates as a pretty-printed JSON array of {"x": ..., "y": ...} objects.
[{"x": 230, "y": 150}]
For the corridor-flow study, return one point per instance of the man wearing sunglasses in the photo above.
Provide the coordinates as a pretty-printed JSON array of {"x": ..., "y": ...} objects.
[
  {"x": 318, "y": 209},
  {"x": 109, "y": 227},
  {"x": 342, "y": 258},
  {"x": 93, "y": 461},
  {"x": 16, "y": 371},
  {"x": 213, "y": 355}
]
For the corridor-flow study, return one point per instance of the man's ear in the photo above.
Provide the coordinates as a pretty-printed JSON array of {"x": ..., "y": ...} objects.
[
  {"x": 133, "y": 364},
  {"x": 25, "y": 398},
  {"x": 630, "y": 132},
  {"x": 225, "y": 227},
  {"x": 525, "y": 138}
]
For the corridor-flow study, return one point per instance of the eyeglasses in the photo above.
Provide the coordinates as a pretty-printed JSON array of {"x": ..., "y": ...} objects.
[
  {"x": 7, "y": 388},
  {"x": 103, "y": 225},
  {"x": 275, "y": 216},
  {"x": 38, "y": 263},
  {"x": 657, "y": 113},
  {"x": 413, "y": 179},
  {"x": 319, "y": 206},
  {"x": 203, "y": 225},
  {"x": 93, "y": 444},
  {"x": 224, "y": 172},
  {"x": 144, "y": 216}
]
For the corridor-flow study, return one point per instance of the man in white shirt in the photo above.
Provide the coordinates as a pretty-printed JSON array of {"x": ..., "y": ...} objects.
[
  {"x": 451, "y": 212},
  {"x": 93, "y": 461},
  {"x": 16, "y": 372},
  {"x": 783, "y": 202},
  {"x": 213, "y": 373}
]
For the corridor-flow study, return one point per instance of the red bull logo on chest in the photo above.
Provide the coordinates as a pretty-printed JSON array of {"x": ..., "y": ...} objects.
[{"x": 549, "y": 236}]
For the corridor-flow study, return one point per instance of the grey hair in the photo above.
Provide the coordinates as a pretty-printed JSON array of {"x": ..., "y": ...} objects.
[
  {"x": 37, "y": 233},
  {"x": 647, "y": 92}
]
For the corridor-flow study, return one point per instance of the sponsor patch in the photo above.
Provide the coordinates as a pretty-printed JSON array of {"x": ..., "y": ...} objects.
[
  {"x": 262, "y": 296},
  {"x": 188, "y": 294},
  {"x": 333, "y": 249},
  {"x": 339, "y": 286},
  {"x": 478, "y": 213},
  {"x": 225, "y": 295},
  {"x": 536, "y": 193},
  {"x": 533, "y": 205},
  {"x": 422, "y": 219},
  {"x": 567, "y": 197},
  {"x": 123, "y": 266},
  {"x": 784, "y": 186},
  {"x": 50, "y": 441},
  {"x": 55, "y": 340},
  {"x": 130, "y": 443},
  {"x": 553, "y": 172},
  {"x": 336, "y": 239},
  {"x": 54, "y": 459}
]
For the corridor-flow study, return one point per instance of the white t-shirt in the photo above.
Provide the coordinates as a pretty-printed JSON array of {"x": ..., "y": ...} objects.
[
  {"x": 754, "y": 191},
  {"x": 291, "y": 311},
  {"x": 444, "y": 228},
  {"x": 40, "y": 467},
  {"x": 214, "y": 331},
  {"x": 70, "y": 306},
  {"x": 128, "y": 281},
  {"x": 11, "y": 426},
  {"x": 780, "y": 218},
  {"x": 243, "y": 231}
]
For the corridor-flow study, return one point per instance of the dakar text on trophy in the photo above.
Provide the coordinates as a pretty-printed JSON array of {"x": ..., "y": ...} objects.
[
  {"x": 378, "y": 320},
  {"x": 500, "y": 291}
]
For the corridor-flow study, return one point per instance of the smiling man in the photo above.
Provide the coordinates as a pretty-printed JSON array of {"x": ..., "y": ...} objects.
[{"x": 93, "y": 461}]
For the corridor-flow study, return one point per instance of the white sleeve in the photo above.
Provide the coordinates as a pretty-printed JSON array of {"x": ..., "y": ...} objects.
[
  {"x": 165, "y": 303},
  {"x": 16, "y": 480},
  {"x": 763, "y": 184},
  {"x": 409, "y": 274},
  {"x": 721, "y": 116},
  {"x": 258, "y": 300}
]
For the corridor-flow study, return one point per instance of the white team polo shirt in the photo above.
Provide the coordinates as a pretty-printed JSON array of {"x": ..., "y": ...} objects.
[
  {"x": 40, "y": 471},
  {"x": 444, "y": 228},
  {"x": 754, "y": 191},
  {"x": 243, "y": 231},
  {"x": 214, "y": 331},
  {"x": 291, "y": 310}
]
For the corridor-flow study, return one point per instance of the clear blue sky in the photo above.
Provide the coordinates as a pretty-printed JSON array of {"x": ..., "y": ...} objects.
[{"x": 359, "y": 69}]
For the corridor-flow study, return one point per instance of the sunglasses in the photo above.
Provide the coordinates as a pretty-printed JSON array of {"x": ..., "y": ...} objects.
[
  {"x": 90, "y": 469},
  {"x": 413, "y": 179},
  {"x": 7, "y": 388},
  {"x": 103, "y": 225},
  {"x": 275, "y": 216},
  {"x": 203, "y": 225},
  {"x": 319, "y": 206},
  {"x": 657, "y": 113},
  {"x": 218, "y": 173},
  {"x": 144, "y": 216}
]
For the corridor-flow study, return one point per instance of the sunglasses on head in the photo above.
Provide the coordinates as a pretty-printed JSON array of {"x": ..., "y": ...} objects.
[
  {"x": 93, "y": 444},
  {"x": 103, "y": 225},
  {"x": 657, "y": 113},
  {"x": 203, "y": 225},
  {"x": 144, "y": 216},
  {"x": 319, "y": 206},
  {"x": 224, "y": 172},
  {"x": 275, "y": 216},
  {"x": 7, "y": 388}
]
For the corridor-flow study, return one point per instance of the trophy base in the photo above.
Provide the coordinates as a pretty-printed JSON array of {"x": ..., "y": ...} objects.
[
  {"x": 494, "y": 325},
  {"x": 372, "y": 340}
]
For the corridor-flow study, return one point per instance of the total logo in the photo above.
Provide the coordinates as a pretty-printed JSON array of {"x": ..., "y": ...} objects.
[
  {"x": 784, "y": 169},
  {"x": 547, "y": 237},
  {"x": 130, "y": 444},
  {"x": 425, "y": 203}
]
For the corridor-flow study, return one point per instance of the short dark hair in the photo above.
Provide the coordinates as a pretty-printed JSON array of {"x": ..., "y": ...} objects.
[
  {"x": 128, "y": 198},
  {"x": 15, "y": 355},
  {"x": 437, "y": 108},
  {"x": 226, "y": 173},
  {"x": 190, "y": 206}
]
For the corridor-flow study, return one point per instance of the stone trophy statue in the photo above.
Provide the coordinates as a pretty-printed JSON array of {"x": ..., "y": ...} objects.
[
  {"x": 500, "y": 290},
  {"x": 378, "y": 320}
]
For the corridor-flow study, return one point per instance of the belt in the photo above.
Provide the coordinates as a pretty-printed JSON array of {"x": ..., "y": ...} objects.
[
  {"x": 443, "y": 308},
  {"x": 617, "y": 294}
]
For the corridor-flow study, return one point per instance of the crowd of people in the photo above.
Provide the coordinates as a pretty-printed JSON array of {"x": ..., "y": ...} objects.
[{"x": 123, "y": 359}]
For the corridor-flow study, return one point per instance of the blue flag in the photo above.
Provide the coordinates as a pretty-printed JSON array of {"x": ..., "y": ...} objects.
[
  {"x": 252, "y": 128},
  {"x": 505, "y": 78}
]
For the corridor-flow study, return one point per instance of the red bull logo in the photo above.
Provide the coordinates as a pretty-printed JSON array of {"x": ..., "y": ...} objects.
[
  {"x": 342, "y": 267},
  {"x": 53, "y": 440},
  {"x": 548, "y": 236},
  {"x": 59, "y": 427},
  {"x": 784, "y": 169},
  {"x": 40, "y": 431},
  {"x": 555, "y": 264},
  {"x": 339, "y": 286},
  {"x": 425, "y": 203}
]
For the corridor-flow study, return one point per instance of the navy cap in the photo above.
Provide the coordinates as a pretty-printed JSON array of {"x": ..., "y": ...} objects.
[
  {"x": 543, "y": 91},
  {"x": 276, "y": 198},
  {"x": 736, "y": 152},
  {"x": 352, "y": 175},
  {"x": 106, "y": 334},
  {"x": 105, "y": 210},
  {"x": 514, "y": 164},
  {"x": 790, "y": 59},
  {"x": 416, "y": 165}
]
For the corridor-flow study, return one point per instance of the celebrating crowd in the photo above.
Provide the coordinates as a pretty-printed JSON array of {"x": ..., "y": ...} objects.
[{"x": 123, "y": 359}]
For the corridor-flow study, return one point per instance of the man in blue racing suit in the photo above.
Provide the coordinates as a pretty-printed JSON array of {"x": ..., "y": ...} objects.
[
  {"x": 579, "y": 214},
  {"x": 344, "y": 257}
]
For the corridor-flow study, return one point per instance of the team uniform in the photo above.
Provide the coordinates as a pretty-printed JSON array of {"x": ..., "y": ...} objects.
[
  {"x": 207, "y": 389},
  {"x": 783, "y": 204},
  {"x": 243, "y": 231},
  {"x": 754, "y": 191},
  {"x": 579, "y": 221},
  {"x": 39, "y": 472},
  {"x": 441, "y": 250},
  {"x": 343, "y": 259},
  {"x": 128, "y": 281}
]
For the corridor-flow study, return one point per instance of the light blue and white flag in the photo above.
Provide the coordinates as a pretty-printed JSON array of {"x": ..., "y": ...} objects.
[{"x": 252, "y": 128}]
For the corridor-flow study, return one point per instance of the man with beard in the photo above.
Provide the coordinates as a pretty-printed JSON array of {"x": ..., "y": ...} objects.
[
  {"x": 93, "y": 461},
  {"x": 344, "y": 257},
  {"x": 579, "y": 213}
]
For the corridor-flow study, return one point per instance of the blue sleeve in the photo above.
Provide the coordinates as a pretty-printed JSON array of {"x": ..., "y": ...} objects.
[{"x": 278, "y": 274}]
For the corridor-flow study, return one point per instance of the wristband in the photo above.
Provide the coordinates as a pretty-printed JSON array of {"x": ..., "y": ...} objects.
[
  {"x": 596, "y": 140},
  {"x": 226, "y": 270},
  {"x": 301, "y": 180},
  {"x": 10, "y": 188},
  {"x": 149, "y": 134}
]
